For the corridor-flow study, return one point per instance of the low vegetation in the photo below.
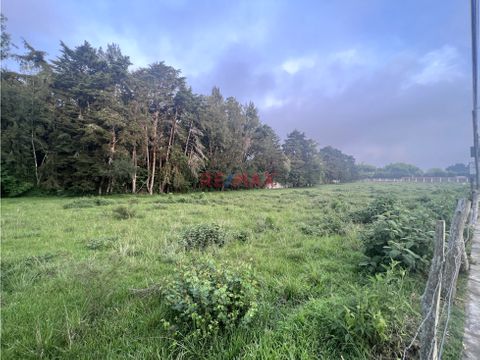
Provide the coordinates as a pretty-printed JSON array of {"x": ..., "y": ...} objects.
[{"x": 327, "y": 272}]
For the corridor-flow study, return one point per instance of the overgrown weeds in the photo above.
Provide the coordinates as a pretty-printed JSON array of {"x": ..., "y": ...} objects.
[
  {"x": 400, "y": 235},
  {"x": 123, "y": 212},
  {"x": 202, "y": 236},
  {"x": 205, "y": 299},
  {"x": 86, "y": 203}
]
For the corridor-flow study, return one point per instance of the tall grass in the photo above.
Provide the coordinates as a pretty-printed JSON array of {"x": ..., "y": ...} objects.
[{"x": 76, "y": 280}]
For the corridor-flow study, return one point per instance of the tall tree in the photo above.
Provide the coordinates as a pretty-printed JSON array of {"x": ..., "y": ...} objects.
[
  {"x": 26, "y": 118},
  {"x": 266, "y": 155},
  {"x": 90, "y": 89},
  {"x": 337, "y": 165},
  {"x": 398, "y": 170},
  {"x": 457, "y": 169},
  {"x": 305, "y": 162}
]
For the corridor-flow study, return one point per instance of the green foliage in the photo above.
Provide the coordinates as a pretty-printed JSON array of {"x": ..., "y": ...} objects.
[
  {"x": 80, "y": 303},
  {"x": 374, "y": 318},
  {"x": 264, "y": 224},
  {"x": 331, "y": 223},
  {"x": 337, "y": 165},
  {"x": 202, "y": 236},
  {"x": 241, "y": 235},
  {"x": 12, "y": 186},
  {"x": 205, "y": 299},
  {"x": 374, "y": 321},
  {"x": 334, "y": 219},
  {"x": 123, "y": 212},
  {"x": 398, "y": 234},
  {"x": 378, "y": 206},
  {"x": 458, "y": 169},
  {"x": 398, "y": 170},
  {"x": 305, "y": 162},
  {"x": 365, "y": 171}
]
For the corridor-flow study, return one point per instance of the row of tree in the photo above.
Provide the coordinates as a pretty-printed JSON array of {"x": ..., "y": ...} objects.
[
  {"x": 399, "y": 170},
  {"x": 84, "y": 123}
]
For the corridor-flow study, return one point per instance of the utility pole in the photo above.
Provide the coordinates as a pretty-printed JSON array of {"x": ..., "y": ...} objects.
[{"x": 474, "y": 12}]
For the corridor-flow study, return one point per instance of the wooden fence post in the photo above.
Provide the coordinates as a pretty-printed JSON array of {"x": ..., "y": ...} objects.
[
  {"x": 431, "y": 298},
  {"x": 456, "y": 256},
  {"x": 474, "y": 211}
]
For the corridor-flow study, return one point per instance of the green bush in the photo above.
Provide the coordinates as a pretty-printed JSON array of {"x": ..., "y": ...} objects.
[
  {"x": 265, "y": 224},
  {"x": 240, "y": 235},
  {"x": 12, "y": 186},
  {"x": 123, "y": 212},
  {"x": 400, "y": 234},
  {"x": 379, "y": 206},
  {"x": 205, "y": 299},
  {"x": 203, "y": 235}
]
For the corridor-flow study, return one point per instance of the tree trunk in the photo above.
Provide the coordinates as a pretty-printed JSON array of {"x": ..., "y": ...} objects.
[
  {"x": 188, "y": 137},
  {"x": 169, "y": 150},
  {"x": 110, "y": 159},
  {"x": 100, "y": 187},
  {"x": 154, "y": 153},
  {"x": 147, "y": 157},
  {"x": 35, "y": 160},
  {"x": 134, "y": 176},
  {"x": 171, "y": 138}
]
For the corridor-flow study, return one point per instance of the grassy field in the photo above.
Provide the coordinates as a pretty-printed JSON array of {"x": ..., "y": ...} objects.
[{"x": 72, "y": 269}]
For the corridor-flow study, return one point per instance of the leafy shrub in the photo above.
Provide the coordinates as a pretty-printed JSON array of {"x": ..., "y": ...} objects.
[
  {"x": 203, "y": 235},
  {"x": 123, "y": 212},
  {"x": 379, "y": 206},
  {"x": 401, "y": 235},
  {"x": 86, "y": 203},
  {"x": 340, "y": 206},
  {"x": 241, "y": 235},
  {"x": 204, "y": 299},
  {"x": 265, "y": 224}
]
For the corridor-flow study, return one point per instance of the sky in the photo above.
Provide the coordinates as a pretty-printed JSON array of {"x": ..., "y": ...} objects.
[{"x": 383, "y": 80}]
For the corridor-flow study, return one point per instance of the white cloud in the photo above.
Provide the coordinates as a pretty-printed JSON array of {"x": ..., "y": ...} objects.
[
  {"x": 437, "y": 66},
  {"x": 272, "y": 101},
  {"x": 292, "y": 66}
]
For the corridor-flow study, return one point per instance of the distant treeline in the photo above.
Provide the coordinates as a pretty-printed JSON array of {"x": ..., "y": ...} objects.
[
  {"x": 400, "y": 170},
  {"x": 85, "y": 124}
]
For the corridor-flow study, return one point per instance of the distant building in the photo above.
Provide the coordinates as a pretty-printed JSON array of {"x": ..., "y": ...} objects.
[{"x": 274, "y": 185}]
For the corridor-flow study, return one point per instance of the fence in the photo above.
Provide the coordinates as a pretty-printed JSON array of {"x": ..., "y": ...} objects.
[
  {"x": 447, "y": 263},
  {"x": 423, "y": 179}
]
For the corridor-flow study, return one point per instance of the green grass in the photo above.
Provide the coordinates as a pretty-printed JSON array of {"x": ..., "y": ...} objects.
[{"x": 69, "y": 266}]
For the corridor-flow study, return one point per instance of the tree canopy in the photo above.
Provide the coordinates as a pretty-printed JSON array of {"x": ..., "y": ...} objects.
[{"x": 85, "y": 123}]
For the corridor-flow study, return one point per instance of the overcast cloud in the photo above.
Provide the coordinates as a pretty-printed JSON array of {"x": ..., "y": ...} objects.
[{"x": 385, "y": 81}]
